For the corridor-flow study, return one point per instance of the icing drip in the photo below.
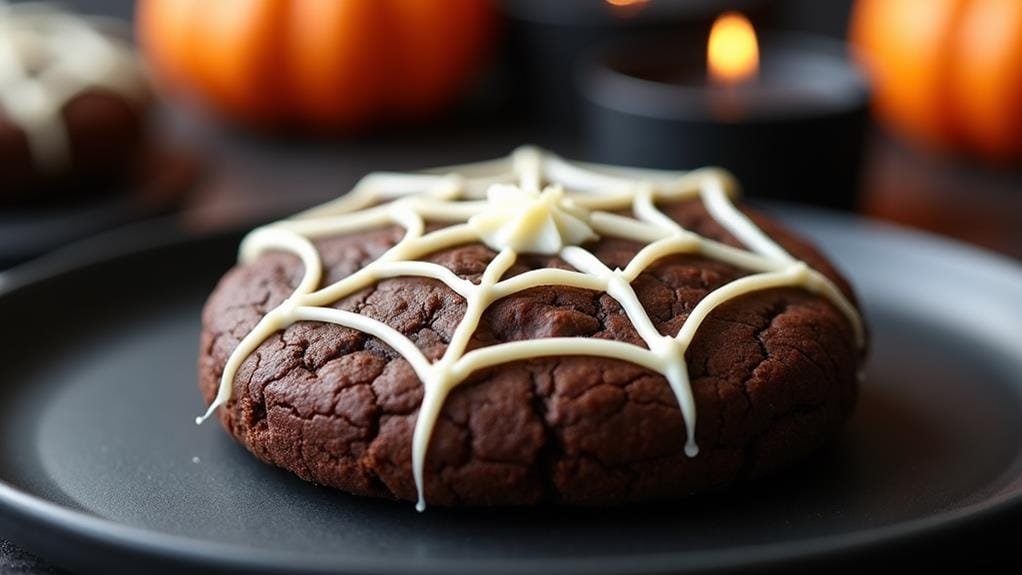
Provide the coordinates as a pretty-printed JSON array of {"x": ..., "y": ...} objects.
[
  {"x": 47, "y": 57},
  {"x": 520, "y": 215}
]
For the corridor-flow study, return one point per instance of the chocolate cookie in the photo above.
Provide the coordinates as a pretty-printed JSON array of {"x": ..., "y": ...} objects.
[
  {"x": 569, "y": 381},
  {"x": 72, "y": 104}
]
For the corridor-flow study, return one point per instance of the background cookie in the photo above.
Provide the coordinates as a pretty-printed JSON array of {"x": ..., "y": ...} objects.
[{"x": 72, "y": 103}]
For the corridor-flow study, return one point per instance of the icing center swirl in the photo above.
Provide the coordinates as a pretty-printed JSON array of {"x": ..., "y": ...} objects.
[{"x": 531, "y": 221}]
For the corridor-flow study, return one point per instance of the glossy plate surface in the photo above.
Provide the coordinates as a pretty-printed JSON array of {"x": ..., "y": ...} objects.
[{"x": 102, "y": 467}]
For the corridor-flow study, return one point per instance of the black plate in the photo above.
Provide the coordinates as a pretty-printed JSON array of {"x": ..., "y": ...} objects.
[{"x": 102, "y": 467}]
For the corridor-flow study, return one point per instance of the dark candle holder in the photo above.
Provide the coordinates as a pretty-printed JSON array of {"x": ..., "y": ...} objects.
[
  {"x": 794, "y": 133},
  {"x": 546, "y": 38}
]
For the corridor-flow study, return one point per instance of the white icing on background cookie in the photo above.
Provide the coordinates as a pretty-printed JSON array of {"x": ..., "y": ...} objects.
[
  {"x": 532, "y": 201},
  {"x": 47, "y": 57}
]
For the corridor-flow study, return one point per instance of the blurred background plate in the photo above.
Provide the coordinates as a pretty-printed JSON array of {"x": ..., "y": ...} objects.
[
  {"x": 109, "y": 473},
  {"x": 33, "y": 229}
]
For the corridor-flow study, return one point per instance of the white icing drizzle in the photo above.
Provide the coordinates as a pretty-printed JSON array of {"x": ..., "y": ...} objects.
[
  {"x": 47, "y": 57},
  {"x": 535, "y": 202}
]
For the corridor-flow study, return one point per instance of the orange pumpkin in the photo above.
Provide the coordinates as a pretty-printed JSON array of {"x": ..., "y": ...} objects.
[
  {"x": 335, "y": 64},
  {"x": 946, "y": 72}
]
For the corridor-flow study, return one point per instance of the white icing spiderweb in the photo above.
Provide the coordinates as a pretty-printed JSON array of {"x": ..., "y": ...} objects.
[{"x": 530, "y": 202}]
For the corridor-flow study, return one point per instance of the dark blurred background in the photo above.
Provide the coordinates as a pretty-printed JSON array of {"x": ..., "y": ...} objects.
[{"x": 214, "y": 172}]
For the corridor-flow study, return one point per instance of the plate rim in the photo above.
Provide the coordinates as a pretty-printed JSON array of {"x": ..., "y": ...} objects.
[
  {"x": 177, "y": 550},
  {"x": 22, "y": 510}
]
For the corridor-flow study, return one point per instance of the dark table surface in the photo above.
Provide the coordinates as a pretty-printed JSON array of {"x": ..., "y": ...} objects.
[{"x": 250, "y": 178}]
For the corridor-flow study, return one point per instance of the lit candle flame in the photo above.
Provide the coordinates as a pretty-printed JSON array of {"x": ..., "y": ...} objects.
[{"x": 733, "y": 52}]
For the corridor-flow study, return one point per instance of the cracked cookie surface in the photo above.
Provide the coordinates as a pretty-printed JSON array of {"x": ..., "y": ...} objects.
[{"x": 773, "y": 374}]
